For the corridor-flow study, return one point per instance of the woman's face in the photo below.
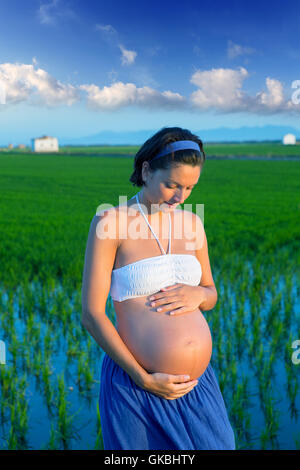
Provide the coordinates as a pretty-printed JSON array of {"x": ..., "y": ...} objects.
[{"x": 171, "y": 187}]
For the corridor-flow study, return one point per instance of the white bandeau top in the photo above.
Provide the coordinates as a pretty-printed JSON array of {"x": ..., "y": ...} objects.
[{"x": 147, "y": 276}]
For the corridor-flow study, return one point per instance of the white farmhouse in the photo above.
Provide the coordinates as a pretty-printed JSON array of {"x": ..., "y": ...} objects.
[
  {"x": 44, "y": 144},
  {"x": 289, "y": 139}
]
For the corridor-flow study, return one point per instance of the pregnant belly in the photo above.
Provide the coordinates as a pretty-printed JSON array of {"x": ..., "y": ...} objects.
[{"x": 160, "y": 342}]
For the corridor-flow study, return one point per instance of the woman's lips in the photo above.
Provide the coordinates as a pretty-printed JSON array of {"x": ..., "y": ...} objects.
[{"x": 171, "y": 205}]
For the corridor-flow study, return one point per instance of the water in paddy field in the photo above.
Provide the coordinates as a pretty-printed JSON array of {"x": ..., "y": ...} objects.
[
  {"x": 49, "y": 385},
  {"x": 261, "y": 333},
  {"x": 46, "y": 343}
]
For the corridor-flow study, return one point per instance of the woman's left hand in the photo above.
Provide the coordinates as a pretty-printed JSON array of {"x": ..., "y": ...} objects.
[{"x": 179, "y": 298}]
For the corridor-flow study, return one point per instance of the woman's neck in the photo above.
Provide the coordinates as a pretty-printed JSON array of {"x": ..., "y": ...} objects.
[{"x": 153, "y": 210}]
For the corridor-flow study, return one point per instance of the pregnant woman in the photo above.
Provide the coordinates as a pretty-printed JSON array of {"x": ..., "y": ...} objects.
[{"x": 158, "y": 390}]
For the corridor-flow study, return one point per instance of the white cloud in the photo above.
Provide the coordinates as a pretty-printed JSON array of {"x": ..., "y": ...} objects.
[
  {"x": 128, "y": 57},
  {"x": 235, "y": 50},
  {"x": 221, "y": 90},
  {"x": 274, "y": 97},
  {"x": 273, "y": 100},
  {"x": 25, "y": 83},
  {"x": 49, "y": 13},
  {"x": 218, "y": 88},
  {"x": 111, "y": 36},
  {"x": 45, "y": 12},
  {"x": 120, "y": 94},
  {"x": 106, "y": 29}
]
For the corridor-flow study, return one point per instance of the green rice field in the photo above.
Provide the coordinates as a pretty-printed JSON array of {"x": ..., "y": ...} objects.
[
  {"x": 262, "y": 149},
  {"x": 49, "y": 384}
]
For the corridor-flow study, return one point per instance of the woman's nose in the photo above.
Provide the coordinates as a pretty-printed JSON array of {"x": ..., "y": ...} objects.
[{"x": 180, "y": 196}]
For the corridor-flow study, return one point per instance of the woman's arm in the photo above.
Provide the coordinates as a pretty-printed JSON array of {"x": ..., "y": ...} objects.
[
  {"x": 211, "y": 296},
  {"x": 99, "y": 260},
  {"x": 105, "y": 334}
]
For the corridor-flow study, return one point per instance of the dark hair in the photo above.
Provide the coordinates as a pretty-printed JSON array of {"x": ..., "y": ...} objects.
[{"x": 156, "y": 143}]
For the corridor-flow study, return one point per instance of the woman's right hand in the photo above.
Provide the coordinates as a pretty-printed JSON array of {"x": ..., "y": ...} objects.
[{"x": 168, "y": 386}]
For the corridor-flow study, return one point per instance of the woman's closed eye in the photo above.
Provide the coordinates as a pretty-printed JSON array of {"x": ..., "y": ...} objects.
[{"x": 174, "y": 187}]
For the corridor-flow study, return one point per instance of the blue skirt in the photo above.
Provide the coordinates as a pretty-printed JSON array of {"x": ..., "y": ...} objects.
[{"x": 135, "y": 419}]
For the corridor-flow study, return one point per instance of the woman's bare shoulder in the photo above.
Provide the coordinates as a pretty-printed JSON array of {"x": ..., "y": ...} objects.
[
  {"x": 187, "y": 216},
  {"x": 107, "y": 222},
  {"x": 192, "y": 226}
]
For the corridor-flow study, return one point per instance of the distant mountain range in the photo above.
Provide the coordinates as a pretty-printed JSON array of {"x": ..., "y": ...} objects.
[{"x": 221, "y": 134}]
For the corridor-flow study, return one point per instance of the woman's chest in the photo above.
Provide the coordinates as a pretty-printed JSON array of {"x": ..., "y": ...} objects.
[{"x": 137, "y": 241}]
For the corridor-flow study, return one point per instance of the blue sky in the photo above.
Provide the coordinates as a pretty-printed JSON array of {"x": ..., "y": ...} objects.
[{"x": 74, "y": 68}]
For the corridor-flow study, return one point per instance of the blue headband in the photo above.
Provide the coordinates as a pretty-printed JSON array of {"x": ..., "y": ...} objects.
[{"x": 179, "y": 145}]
